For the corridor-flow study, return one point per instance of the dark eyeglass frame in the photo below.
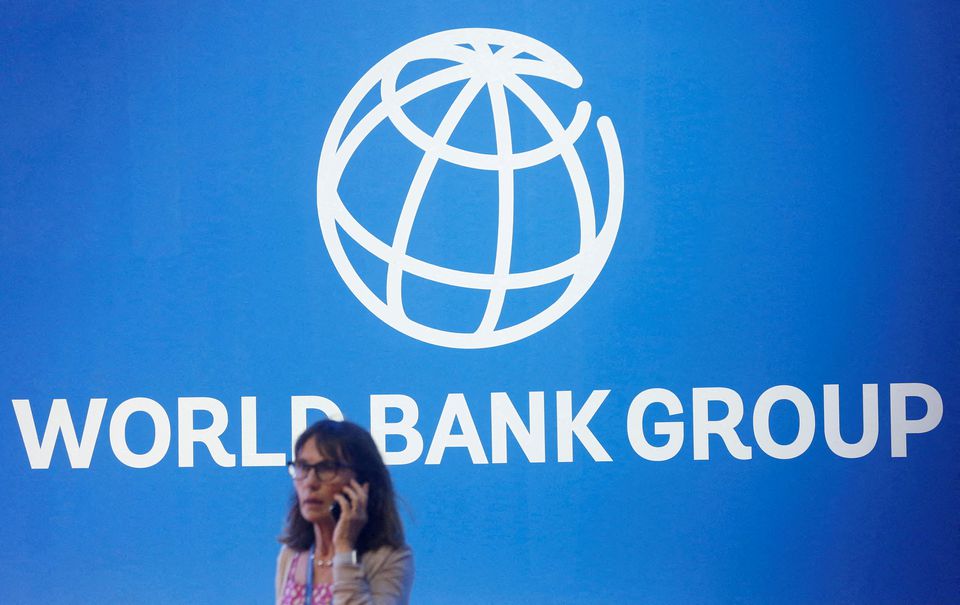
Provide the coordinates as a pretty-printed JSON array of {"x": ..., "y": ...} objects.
[{"x": 325, "y": 470}]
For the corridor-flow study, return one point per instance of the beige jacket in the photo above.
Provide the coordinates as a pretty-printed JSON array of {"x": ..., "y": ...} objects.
[{"x": 382, "y": 577}]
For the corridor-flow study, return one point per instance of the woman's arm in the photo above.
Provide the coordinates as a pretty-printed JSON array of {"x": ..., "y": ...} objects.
[{"x": 383, "y": 577}]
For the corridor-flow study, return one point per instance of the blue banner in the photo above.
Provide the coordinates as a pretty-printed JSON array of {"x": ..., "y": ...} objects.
[{"x": 642, "y": 302}]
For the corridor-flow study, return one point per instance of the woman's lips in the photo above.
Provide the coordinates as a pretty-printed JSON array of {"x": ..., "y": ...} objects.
[{"x": 313, "y": 502}]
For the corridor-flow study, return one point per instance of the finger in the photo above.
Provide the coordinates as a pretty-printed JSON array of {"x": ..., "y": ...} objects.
[
  {"x": 363, "y": 492},
  {"x": 344, "y": 503},
  {"x": 362, "y": 505},
  {"x": 352, "y": 494}
]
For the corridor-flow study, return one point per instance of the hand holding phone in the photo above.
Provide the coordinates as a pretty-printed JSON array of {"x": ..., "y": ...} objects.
[{"x": 350, "y": 511}]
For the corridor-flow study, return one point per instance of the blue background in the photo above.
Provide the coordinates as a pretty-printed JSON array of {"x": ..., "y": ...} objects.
[{"x": 790, "y": 218}]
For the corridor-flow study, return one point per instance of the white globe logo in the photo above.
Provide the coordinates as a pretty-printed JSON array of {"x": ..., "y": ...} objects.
[{"x": 494, "y": 60}]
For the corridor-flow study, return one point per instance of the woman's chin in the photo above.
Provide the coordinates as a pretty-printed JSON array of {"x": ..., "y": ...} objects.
[{"x": 315, "y": 513}]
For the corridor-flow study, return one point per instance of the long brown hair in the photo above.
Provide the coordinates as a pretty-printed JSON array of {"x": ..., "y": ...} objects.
[{"x": 352, "y": 446}]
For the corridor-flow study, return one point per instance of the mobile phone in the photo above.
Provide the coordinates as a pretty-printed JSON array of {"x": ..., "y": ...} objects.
[{"x": 335, "y": 511}]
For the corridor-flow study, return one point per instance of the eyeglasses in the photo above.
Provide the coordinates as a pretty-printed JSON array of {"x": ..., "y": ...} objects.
[{"x": 325, "y": 470}]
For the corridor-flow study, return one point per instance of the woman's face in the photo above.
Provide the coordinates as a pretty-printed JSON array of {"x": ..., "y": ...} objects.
[{"x": 315, "y": 495}]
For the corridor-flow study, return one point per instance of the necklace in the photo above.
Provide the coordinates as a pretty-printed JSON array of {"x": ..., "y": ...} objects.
[{"x": 320, "y": 562}]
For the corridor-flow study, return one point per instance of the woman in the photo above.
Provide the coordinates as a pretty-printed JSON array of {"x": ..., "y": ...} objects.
[{"x": 343, "y": 541}]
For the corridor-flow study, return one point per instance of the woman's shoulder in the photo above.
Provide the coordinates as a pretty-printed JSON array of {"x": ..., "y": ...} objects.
[
  {"x": 285, "y": 559},
  {"x": 285, "y": 556}
]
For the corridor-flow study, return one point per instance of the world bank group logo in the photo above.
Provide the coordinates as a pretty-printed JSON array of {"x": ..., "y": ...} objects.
[{"x": 442, "y": 216}]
